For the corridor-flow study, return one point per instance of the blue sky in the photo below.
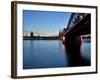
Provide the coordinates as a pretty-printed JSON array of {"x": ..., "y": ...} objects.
[{"x": 44, "y": 21}]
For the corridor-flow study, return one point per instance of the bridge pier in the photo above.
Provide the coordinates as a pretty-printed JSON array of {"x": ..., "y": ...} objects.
[{"x": 73, "y": 50}]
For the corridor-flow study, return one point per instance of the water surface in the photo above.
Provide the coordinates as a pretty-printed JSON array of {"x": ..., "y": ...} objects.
[{"x": 51, "y": 54}]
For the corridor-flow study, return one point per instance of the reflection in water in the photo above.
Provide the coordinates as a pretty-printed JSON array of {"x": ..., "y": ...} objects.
[
  {"x": 43, "y": 54},
  {"x": 74, "y": 52},
  {"x": 74, "y": 55},
  {"x": 52, "y": 54}
]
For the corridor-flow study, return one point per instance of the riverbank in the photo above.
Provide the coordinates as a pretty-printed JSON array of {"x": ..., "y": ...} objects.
[{"x": 41, "y": 38}]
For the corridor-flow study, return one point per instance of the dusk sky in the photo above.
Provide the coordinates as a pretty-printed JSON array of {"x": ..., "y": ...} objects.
[{"x": 44, "y": 22}]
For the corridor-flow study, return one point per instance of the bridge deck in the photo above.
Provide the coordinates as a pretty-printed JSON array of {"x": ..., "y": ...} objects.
[{"x": 81, "y": 28}]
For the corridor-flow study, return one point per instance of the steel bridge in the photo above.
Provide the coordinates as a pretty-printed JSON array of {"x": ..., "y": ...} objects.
[{"x": 79, "y": 24}]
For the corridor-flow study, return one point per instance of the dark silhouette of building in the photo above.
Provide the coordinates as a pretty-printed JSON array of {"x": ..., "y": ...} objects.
[{"x": 31, "y": 35}]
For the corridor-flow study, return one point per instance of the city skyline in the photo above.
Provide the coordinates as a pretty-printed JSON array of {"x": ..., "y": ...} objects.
[{"x": 44, "y": 22}]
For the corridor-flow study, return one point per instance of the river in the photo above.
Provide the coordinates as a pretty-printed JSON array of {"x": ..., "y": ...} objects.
[{"x": 52, "y": 54}]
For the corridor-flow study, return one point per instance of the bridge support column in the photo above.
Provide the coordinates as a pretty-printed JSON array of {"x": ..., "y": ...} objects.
[{"x": 73, "y": 50}]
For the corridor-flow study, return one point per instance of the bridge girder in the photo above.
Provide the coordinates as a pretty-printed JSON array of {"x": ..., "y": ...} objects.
[{"x": 83, "y": 27}]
